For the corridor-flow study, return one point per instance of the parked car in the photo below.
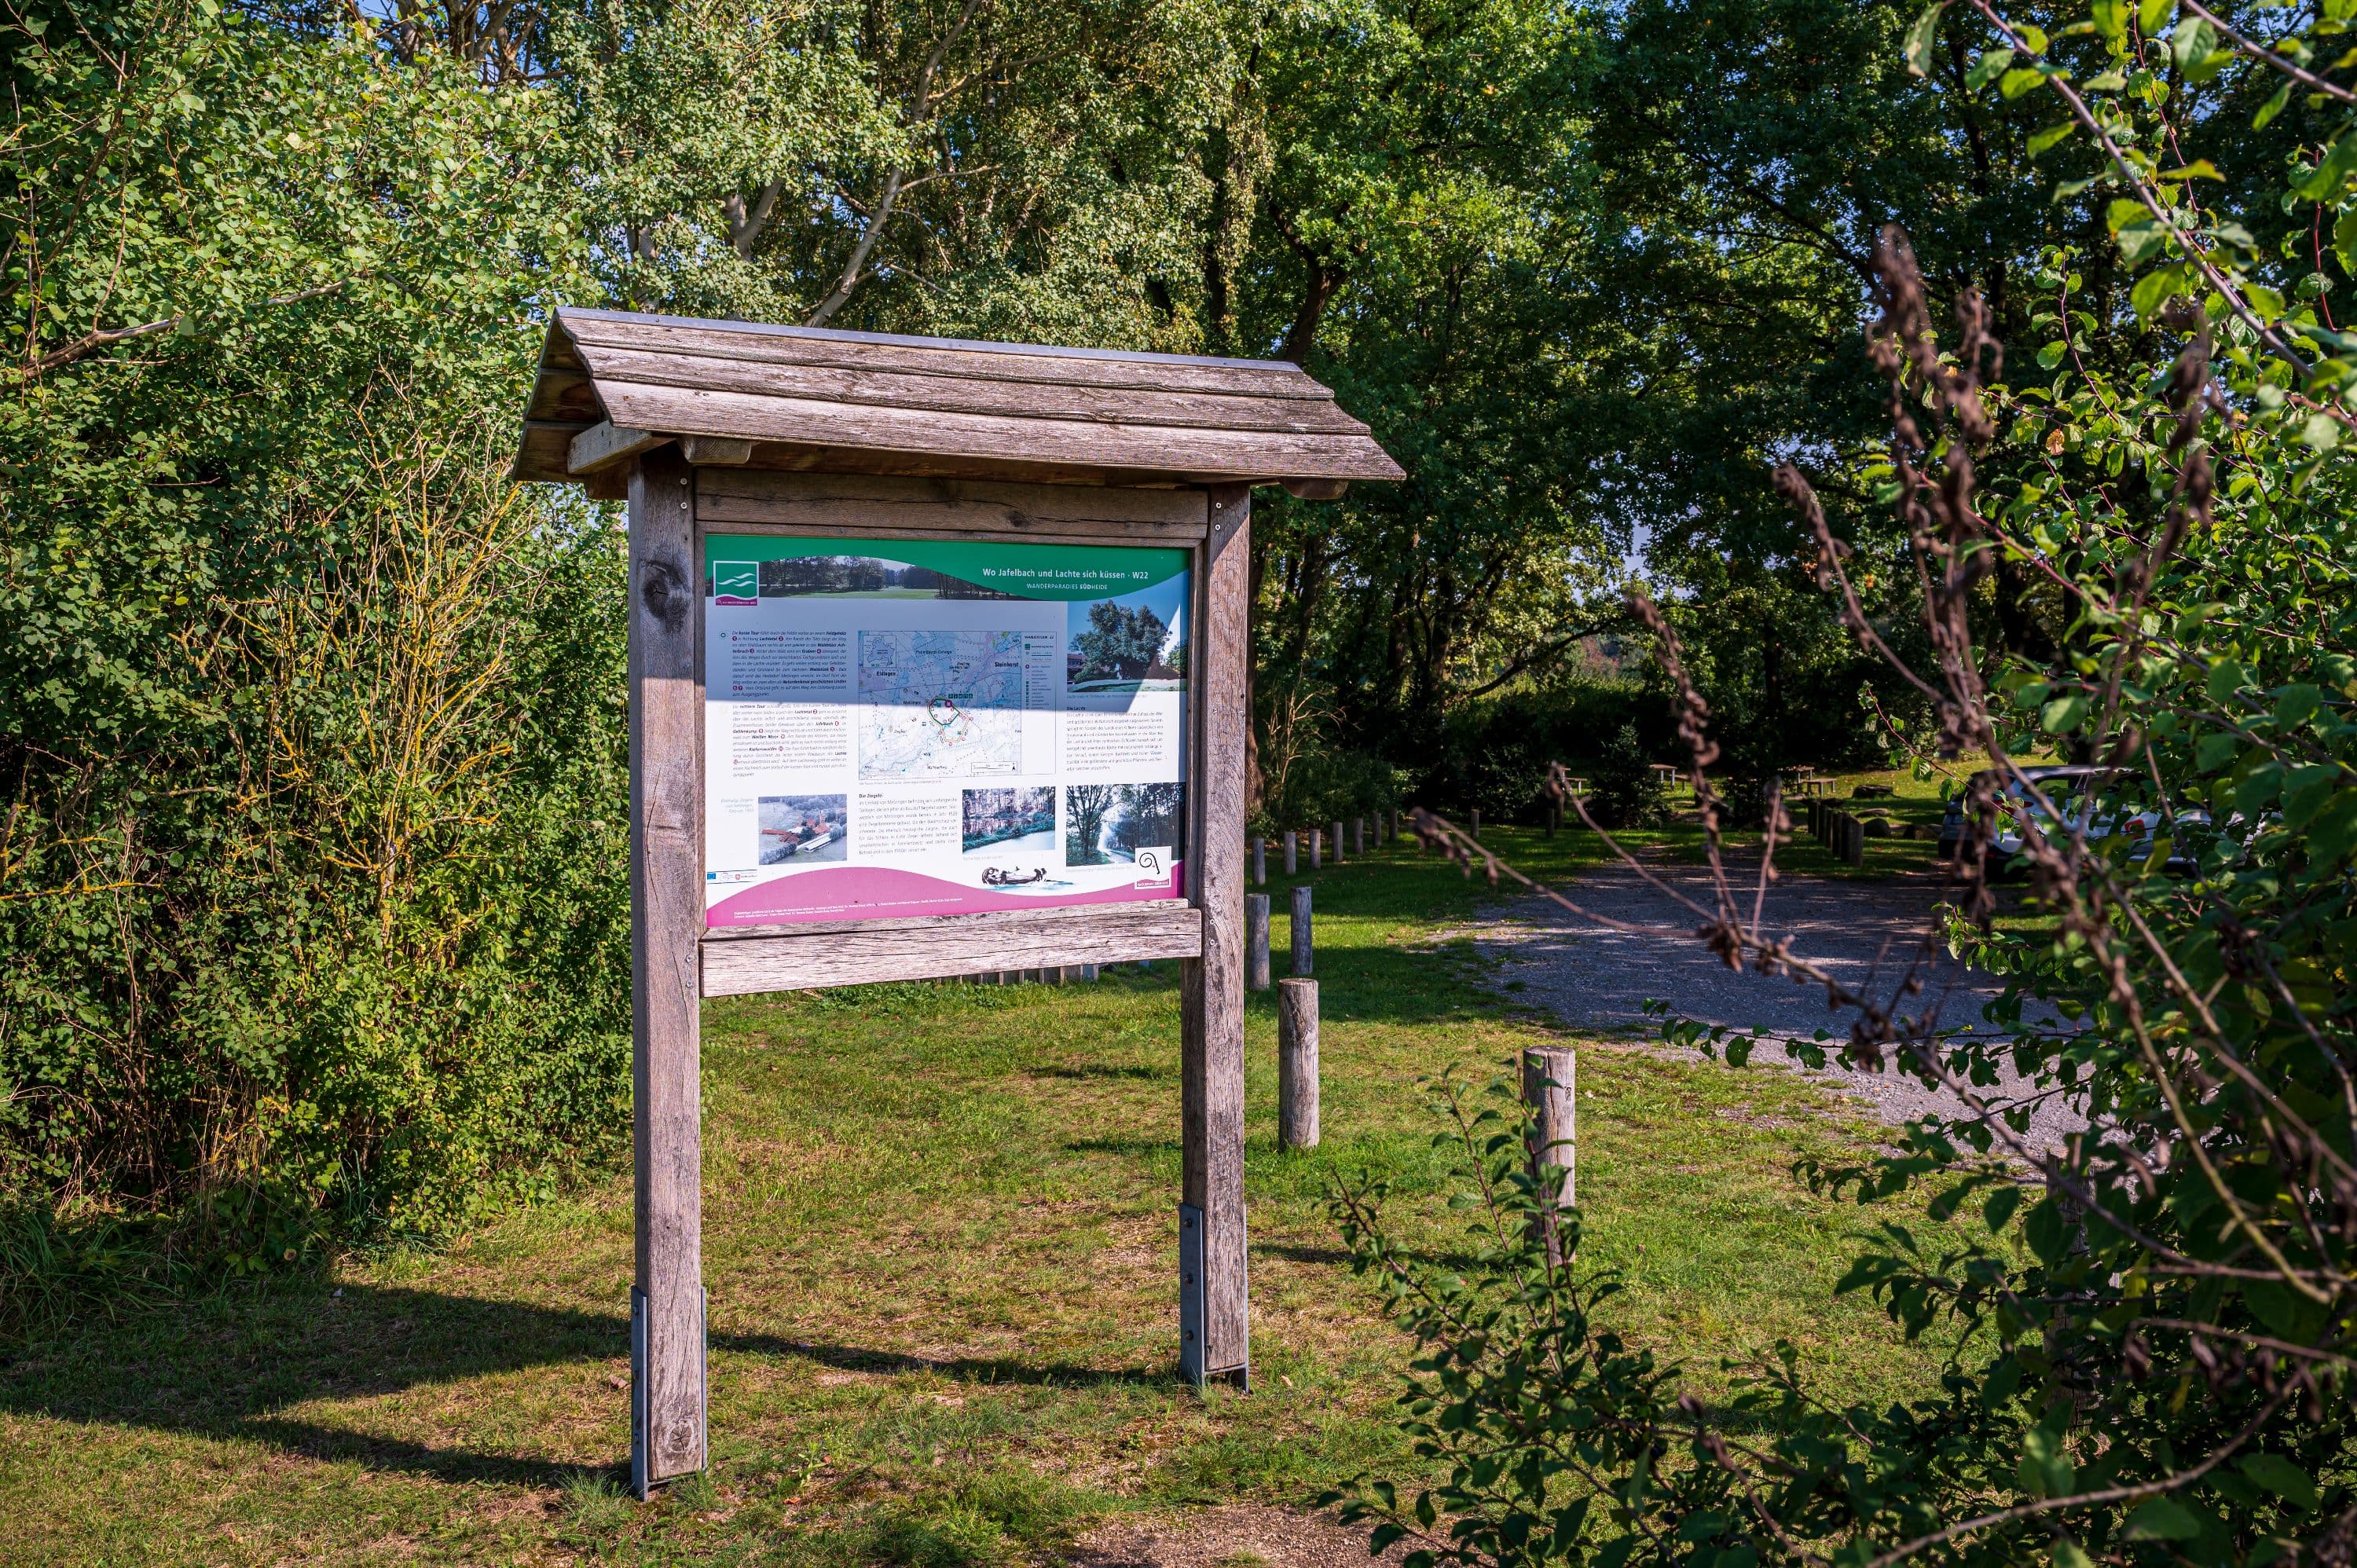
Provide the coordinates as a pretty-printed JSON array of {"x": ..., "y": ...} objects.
[
  {"x": 1956, "y": 839},
  {"x": 2066, "y": 788}
]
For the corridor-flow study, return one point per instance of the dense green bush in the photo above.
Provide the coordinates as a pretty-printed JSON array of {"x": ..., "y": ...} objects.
[
  {"x": 1496, "y": 750},
  {"x": 312, "y": 914}
]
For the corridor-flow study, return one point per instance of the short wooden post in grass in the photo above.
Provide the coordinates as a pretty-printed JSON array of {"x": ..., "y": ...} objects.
[
  {"x": 1358, "y": 835},
  {"x": 1260, "y": 860},
  {"x": 1292, "y": 840},
  {"x": 1550, "y": 1087},
  {"x": 1301, "y": 954},
  {"x": 1296, "y": 1064},
  {"x": 761, "y": 858},
  {"x": 1256, "y": 942},
  {"x": 1317, "y": 849},
  {"x": 1396, "y": 819},
  {"x": 1477, "y": 824}
]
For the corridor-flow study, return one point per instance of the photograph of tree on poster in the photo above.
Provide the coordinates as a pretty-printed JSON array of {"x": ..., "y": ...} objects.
[
  {"x": 1130, "y": 644},
  {"x": 1085, "y": 806}
]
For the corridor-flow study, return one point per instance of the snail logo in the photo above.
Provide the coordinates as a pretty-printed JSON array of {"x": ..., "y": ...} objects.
[{"x": 1152, "y": 866}]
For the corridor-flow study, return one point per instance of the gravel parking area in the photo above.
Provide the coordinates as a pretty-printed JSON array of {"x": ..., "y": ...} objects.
[{"x": 1865, "y": 932}]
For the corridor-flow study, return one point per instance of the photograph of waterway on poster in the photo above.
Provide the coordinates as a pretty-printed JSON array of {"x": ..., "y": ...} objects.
[{"x": 899, "y": 727}]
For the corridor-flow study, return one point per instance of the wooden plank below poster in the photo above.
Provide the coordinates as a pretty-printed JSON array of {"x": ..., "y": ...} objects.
[{"x": 742, "y": 961}]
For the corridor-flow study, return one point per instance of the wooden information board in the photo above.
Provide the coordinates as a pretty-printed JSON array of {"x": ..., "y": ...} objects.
[{"x": 939, "y": 665}]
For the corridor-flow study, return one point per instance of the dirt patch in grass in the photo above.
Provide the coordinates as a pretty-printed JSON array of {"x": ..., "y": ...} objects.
[{"x": 1241, "y": 1535}]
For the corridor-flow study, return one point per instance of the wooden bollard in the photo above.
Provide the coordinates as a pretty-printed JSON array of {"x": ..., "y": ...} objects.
[
  {"x": 1296, "y": 1064},
  {"x": 1358, "y": 835},
  {"x": 1339, "y": 856},
  {"x": 1551, "y": 1088},
  {"x": 1291, "y": 840},
  {"x": 1395, "y": 817},
  {"x": 1477, "y": 824},
  {"x": 1260, "y": 860},
  {"x": 1316, "y": 850},
  {"x": 1256, "y": 941},
  {"x": 1301, "y": 931}
]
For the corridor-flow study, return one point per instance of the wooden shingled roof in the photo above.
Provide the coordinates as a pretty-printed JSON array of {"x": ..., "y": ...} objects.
[{"x": 612, "y": 384}]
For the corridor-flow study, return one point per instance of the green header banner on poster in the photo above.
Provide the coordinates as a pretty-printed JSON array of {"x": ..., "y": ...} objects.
[{"x": 1027, "y": 571}]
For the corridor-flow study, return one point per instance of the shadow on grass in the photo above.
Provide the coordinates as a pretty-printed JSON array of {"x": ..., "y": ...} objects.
[
  {"x": 238, "y": 1366},
  {"x": 1335, "y": 1257}
]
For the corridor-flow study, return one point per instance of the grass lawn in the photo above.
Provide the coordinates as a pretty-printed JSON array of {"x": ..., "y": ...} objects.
[{"x": 941, "y": 1243}]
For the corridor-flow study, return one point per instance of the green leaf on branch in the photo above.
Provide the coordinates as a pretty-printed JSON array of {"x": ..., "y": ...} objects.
[
  {"x": 2157, "y": 288},
  {"x": 2216, "y": 750},
  {"x": 2017, "y": 83},
  {"x": 2334, "y": 830},
  {"x": 2320, "y": 431},
  {"x": 2064, "y": 714},
  {"x": 2151, "y": 14},
  {"x": 2283, "y": 1478},
  {"x": 1920, "y": 35},
  {"x": 2325, "y": 183},
  {"x": 2271, "y": 108},
  {"x": 2344, "y": 239},
  {"x": 2161, "y": 1519},
  {"x": 1988, "y": 69}
]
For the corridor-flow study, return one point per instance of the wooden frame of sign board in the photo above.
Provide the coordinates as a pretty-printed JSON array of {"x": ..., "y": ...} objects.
[{"x": 747, "y": 429}]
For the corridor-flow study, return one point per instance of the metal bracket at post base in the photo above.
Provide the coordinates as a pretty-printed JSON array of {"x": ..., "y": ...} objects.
[
  {"x": 1192, "y": 1309},
  {"x": 641, "y": 1487}
]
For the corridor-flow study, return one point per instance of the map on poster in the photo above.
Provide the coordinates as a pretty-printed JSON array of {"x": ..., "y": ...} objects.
[
  {"x": 907, "y": 727},
  {"x": 941, "y": 704}
]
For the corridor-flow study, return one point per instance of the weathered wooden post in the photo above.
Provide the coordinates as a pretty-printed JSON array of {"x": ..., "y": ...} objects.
[
  {"x": 1358, "y": 835},
  {"x": 1256, "y": 942},
  {"x": 1317, "y": 848},
  {"x": 1339, "y": 855},
  {"x": 667, "y": 1330},
  {"x": 1477, "y": 824},
  {"x": 1301, "y": 954},
  {"x": 1290, "y": 841},
  {"x": 1550, "y": 1087},
  {"x": 1296, "y": 1064},
  {"x": 813, "y": 516},
  {"x": 1260, "y": 860}
]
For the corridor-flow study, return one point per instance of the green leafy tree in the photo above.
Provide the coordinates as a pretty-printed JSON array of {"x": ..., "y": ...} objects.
[
  {"x": 310, "y": 727},
  {"x": 2153, "y": 1324}
]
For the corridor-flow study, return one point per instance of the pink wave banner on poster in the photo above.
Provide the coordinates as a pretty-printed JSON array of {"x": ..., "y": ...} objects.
[{"x": 880, "y": 893}]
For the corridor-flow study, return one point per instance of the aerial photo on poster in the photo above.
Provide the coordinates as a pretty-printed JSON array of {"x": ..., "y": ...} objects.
[{"x": 919, "y": 727}]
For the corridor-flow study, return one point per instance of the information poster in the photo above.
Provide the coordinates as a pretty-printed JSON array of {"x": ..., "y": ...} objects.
[{"x": 902, "y": 728}]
